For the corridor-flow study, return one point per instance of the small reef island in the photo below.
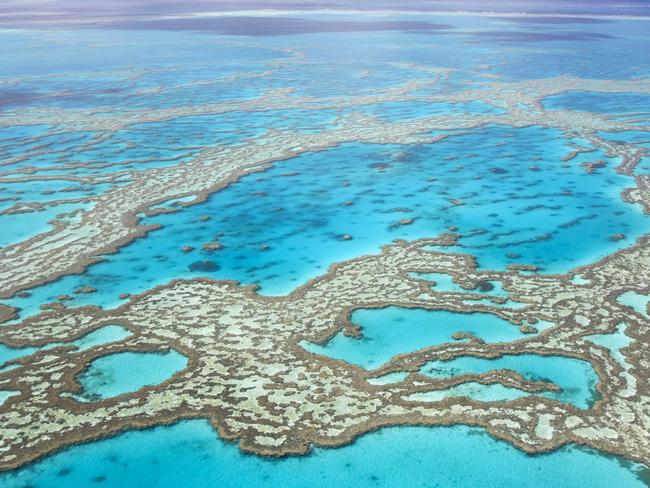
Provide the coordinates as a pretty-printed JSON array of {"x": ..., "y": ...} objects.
[{"x": 325, "y": 244}]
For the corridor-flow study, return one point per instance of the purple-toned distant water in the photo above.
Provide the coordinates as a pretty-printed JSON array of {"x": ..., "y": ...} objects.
[{"x": 18, "y": 13}]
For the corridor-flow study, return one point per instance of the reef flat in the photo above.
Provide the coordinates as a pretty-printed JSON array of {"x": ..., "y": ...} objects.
[
  {"x": 453, "y": 313},
  {"x": 247, "y": 374}
]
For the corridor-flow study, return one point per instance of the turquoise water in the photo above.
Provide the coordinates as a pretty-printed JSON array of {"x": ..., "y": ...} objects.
[
  {"x": 444, "y": 283},
  {"x": 8, "y": 353},
  {"x": 511, "y": 214},
  {"x": 103, "y": 335},
  {"x": 576, "y": 379},
  {"x": 637, "y": 301},
  {"x": 45, "y": 191},
  {"x": 521, "y": 204},
  {"x": 126, "y": 372},
  {"x": 23, "y": 226},
  {"x": 190, "y": 454},
  {"x": 615, "y": 342},
  {"x": 441, "y": 282},
  {"x": 109, "y": 333},
  {"x": 389, "y": 331}
]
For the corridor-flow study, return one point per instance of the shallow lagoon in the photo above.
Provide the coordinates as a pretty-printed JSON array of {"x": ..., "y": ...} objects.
[
  {"x": 6, "y": 394},
  {"x": 126, "y": 372},
  {"x": 284, "y": 226},
  {"x": 577, "y": 379},
  {"x": 389, "y": 331},
  {"x": 103, "y": 335},
  {"x": 489, "y": 290},
  {"x": 191, "y": 454},
  {"x": 534, "y": 213},
  {"x": 636, "y": 301},
  {"x": 22, "y": 226}
]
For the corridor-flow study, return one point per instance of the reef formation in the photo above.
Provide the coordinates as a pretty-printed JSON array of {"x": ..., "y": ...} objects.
[{"x": 246, "y": 370}]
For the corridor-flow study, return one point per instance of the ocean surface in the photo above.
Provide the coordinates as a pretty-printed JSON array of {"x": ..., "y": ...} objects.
[
  {"x": 508, "y": 191},
  {"x": 189, "y": 454}
]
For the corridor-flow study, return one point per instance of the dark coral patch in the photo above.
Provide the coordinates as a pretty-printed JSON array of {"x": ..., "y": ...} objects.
[
  {"x": 207, "y": 266},
  {"x": 484, "y": 286}
]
